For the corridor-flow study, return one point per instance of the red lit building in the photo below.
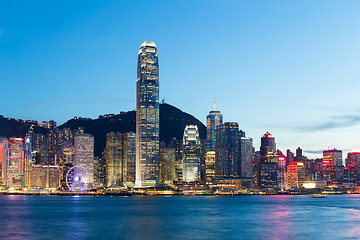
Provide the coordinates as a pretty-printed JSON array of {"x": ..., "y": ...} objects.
[
  {"x": 332, "y": 166},
  {"x": 295, "y": 175}
]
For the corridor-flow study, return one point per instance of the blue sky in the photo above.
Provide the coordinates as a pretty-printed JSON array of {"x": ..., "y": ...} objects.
[{"x": 288, "y": 67}]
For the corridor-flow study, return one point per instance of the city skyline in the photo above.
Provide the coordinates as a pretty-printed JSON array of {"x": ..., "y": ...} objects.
[{"x": 293, "y": 72}]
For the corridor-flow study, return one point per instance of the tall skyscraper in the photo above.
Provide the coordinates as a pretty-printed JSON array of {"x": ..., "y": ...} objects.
[
  {"x": 213, "y": 120},
  {"x": 227, "y": 154},
  {"x": 295, "y": 174},
  {"x": 147, "y": 116},
  {"x": 167, "y": 166},
  {"x": 191, "y": 154},
  {"x": 84, "y": 154}
]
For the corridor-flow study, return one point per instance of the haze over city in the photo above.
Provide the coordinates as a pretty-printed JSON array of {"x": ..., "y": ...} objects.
[{"x": 290, "y": 68}]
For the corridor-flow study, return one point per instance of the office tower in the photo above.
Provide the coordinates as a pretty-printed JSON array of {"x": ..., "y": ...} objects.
[
  {"x": 295, "y": 175},
  {"x": 210, "y": 166},
  {"x": 213, "y": 120},
  {"x": 176, "y": 144},
  {"x": 147, "y": 116},
  {"x": 129, "y": 139},
  {"x": 167, "y": 166},
  {"x": 246, "y": 157},
  {"x": 120, "y": 158},
  {"x": 353, "y": 166},
  {"x": 114, "y": 159},
  {"x": 267, "y": 172},
  {"x": 191, "y": 154},
  {"x": 332, "y": 165},
  {"x": 84, "y": 154},
  {"x": 227, "y": 154},
  {"x": 45, "y": 176},
  {"x": 13, "y": 165}
]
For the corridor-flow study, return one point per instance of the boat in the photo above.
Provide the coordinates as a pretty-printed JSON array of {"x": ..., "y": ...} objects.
[{"x": 318, "y": 195}]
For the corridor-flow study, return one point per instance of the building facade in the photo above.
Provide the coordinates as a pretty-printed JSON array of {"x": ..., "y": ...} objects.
[
  {"x": 246, "y": 157},
  {"x": 147, "y": 116},
  {"x": 332, "y": 166}
]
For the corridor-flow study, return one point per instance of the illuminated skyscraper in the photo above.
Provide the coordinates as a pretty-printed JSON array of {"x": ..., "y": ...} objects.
[
  {"x": 353, "y": 166},
  {"x": 84, "y": 153},
  {"x": 295, "y": 175},
  {"x": 191, "y": 154},
  {"x": 213, "y": 120},
  {"x": 147, "y": 116},
  {"x": 267, "y": 167},
  {"x": 167, "y": 166}
]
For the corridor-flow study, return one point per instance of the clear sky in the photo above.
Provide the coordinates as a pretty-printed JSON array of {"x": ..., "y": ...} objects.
[{"x": 287, "y": 67}]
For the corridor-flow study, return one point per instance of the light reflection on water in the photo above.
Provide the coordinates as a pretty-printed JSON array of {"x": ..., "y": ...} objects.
[{"x": 245, "y": 217}]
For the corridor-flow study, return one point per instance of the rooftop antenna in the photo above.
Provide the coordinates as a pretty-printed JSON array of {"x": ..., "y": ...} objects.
[{"x": 214, "y": 102}]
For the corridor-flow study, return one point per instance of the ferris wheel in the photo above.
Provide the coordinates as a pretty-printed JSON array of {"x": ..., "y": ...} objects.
[{"x": 77, "y": 178}]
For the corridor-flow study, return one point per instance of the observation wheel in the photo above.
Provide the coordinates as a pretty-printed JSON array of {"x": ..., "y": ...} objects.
[{"x": 77, "y": 178}]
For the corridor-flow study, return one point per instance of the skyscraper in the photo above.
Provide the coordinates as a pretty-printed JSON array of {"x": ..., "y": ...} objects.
[
  {"x": 246, "y": 157},
  {"x": 267, "y": 167},
  {"x": 191, "y": 154},
  {"x": 295, "y": 174},
  {"x": 147, "y": 116},
  {"x": 213, "y": 120},
  {"x": 353, "y": 166},
  {"x": 332, "y": 165},
  {"x": 84, "y": 154},
  {"x": 227, "y": 154}
]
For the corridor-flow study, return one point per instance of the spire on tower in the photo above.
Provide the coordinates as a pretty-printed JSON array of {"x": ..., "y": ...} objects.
[{"x": 214, "y": 103}]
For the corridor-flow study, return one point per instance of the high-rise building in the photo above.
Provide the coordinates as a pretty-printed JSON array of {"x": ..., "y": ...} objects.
[
  {"x": 295, "y": 175},
  {"x": 299, "y": 157},
  {"x": 167, "y": 166},
  {"x": 120, "y": 158},
  {"x": 45, "y": 176},
  {"x": 289, "y": 156},
  {"x": 13, "y": 165},
  {"x": 332, "y": 165},
  {"x": 84, "y": 154},
  {"x": 213, "y": 120},
  {"x": 210, "y": 166},
  {"x": 246, "y": 157},
  {"x": 353, "y": 166},
  {"x": 191, "y": 154},
  {"x": 267, "y": 167},
  {"x": 147, "y": 116},
  {"x": 227, "y": 154},
  {"x": 114, "y": 159}
]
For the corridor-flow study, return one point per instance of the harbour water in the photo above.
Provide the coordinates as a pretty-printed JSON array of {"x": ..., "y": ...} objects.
[{"x": 180, "y": 217}]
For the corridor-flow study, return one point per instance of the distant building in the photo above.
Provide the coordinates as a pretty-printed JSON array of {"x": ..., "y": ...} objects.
[
  {"x": 295, "y": 175},
  {"x": 227, "y": 154},
  {"x": 84, "y": 154},
  {"x": 13, "y": 163},
  {"x": 213, "y": 120},
  {"x": 353, "y": 166},
  {"x": 191, "y": 154},
  {"x": 147, "y": 116},
  {"x": 332, "y": 165},
  {"x": 167, "y": 166}
]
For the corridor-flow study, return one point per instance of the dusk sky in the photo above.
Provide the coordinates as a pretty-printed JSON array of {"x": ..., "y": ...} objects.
[{"x": 287, "y": 67}]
